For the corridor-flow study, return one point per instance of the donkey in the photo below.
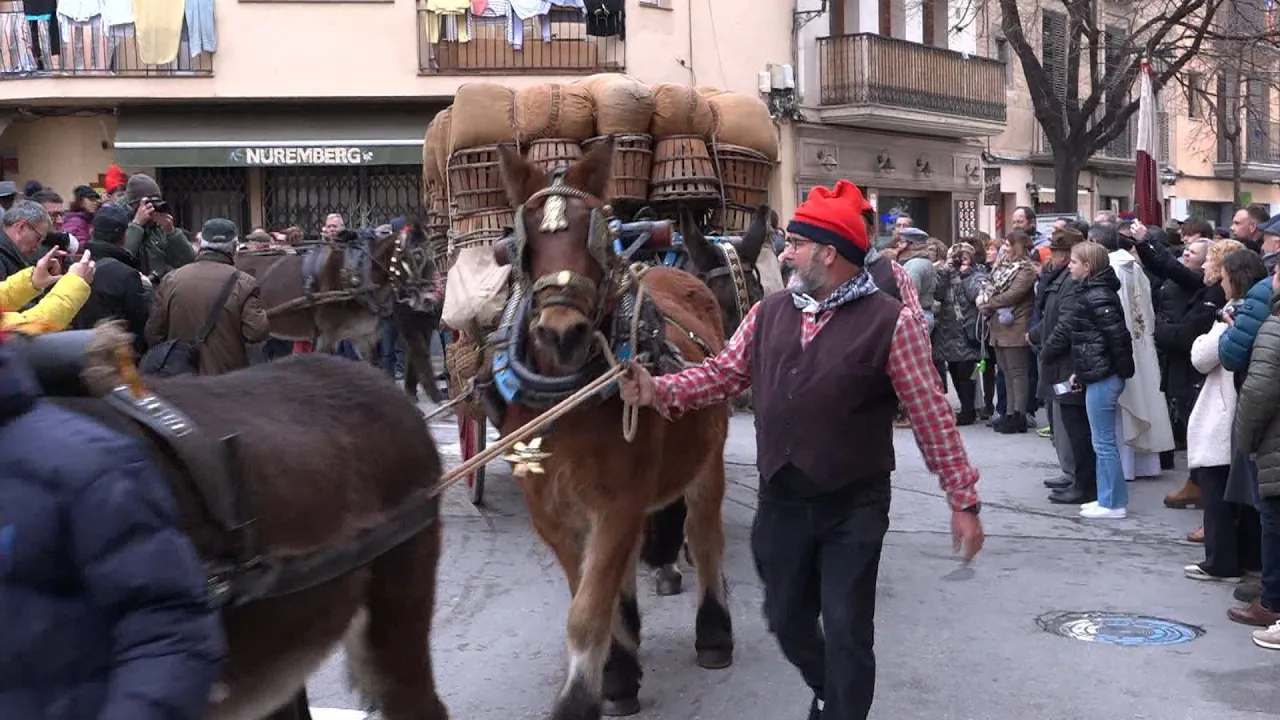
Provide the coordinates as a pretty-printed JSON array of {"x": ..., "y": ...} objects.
[
  {"x": 327, "y": 447},
  {"x": 339, "y": 266},
  {"x": 417, "y": 312},
  {"x": 736, "y": 290},
  {"x": 591, "y": 503}
]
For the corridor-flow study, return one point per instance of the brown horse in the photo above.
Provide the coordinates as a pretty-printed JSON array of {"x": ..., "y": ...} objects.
[
  {"x": 347, "y": 265},
  {"x": 591, "y": 503},
  {"x": 327, "y": 449}
]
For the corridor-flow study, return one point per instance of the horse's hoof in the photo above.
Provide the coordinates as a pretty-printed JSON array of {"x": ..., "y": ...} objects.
[
  {"x": 668, "y": 583},
  {"x": 622, "y": 707},
  {"x": 715, "y": 659}
]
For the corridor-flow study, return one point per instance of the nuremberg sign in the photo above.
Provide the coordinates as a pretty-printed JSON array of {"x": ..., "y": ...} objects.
[{"x": 301, "y": 156}]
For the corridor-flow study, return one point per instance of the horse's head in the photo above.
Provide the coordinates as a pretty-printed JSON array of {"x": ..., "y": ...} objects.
[
  {"x": 729, "y": 271},
  {"x": 563, "y": 253}
]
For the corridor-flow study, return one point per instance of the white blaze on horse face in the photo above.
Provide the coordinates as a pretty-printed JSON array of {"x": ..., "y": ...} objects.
[{"x": 554, "y": 215}]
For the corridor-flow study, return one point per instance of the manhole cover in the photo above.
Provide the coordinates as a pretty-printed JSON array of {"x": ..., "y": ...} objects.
[{"x": 1118, "y": 628}]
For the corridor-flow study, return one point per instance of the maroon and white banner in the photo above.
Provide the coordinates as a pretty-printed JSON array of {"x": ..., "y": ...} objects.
[{"x": 1146, "y": 185}]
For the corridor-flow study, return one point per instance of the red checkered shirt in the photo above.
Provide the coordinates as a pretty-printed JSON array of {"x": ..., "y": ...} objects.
[{"x": 910, "y": 369}]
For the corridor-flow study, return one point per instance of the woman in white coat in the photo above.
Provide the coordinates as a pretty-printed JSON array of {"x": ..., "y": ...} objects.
[{"x": 1232, "y": 543}]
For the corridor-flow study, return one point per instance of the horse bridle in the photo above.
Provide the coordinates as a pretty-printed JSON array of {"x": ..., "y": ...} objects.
[
  {"x": 599, "y": 244},
  {"x": 733, "y": 268}
]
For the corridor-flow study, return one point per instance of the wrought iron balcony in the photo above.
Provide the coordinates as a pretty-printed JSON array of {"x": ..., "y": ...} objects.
[
  {"x": 556, "y": 44},
  {"x": 1260, "y": 156},
  {"x": 869, "y": 80},
  {"x": 83, "y": 50}
]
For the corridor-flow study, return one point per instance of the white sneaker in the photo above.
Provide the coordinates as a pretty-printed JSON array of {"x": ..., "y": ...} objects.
[
  {"x": 1090, "y": 504},
  {"x": 1195, "y": 572},
  {"x": 1101, "y": 513},
  {"x": 1269, "y": 638}
]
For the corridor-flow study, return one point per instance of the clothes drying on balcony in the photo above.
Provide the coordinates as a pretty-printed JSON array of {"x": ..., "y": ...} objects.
[
  {"x": 202, "y": 34},
  {"x": 81, "y": 11},
  {"x": 442, "y": 18},
  {"x": 607, "y": 18},
  {"x": 38, "y": 11},
  {"x": 158, "y": 26}
]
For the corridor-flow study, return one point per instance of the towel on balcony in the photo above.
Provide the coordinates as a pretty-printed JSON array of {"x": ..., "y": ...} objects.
[
  {"x": 444, "y": 14},
  {"x": 158, "y": 26},
  {"x": 117, "y": 12},
  {"x": 202, "y": 34}
]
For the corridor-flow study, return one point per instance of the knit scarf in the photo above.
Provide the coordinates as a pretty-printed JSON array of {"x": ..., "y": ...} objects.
[{"x": 1004, "y": 273}]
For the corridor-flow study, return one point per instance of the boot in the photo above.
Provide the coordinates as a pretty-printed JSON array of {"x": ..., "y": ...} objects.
[
  {"x": 966, "y": 417},
  {"x": 1014, "y": 424},
  {"x": 1186, "y": 496}
]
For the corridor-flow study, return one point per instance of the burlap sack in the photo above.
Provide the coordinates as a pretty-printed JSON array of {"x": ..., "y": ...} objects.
[
  {"x": 744, "y": 120},
  {"x": 707, "y": 91},
  {"x": 553, "y": 110},
  {"x": 624, "y": 105},
  {"x": 679, "y": 110},
  {"x": 483, "y": 114},
  {"x": 432, "y": 173},
  {"x": 444, "y": 129},
  {"x": 475, "y": 290}
]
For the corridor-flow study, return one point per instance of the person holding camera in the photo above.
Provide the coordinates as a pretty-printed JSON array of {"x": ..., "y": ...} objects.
[
  {"x": 152, "y": 238},
  {"x": 56, "y": 309},
  {"x": 957, "y": 339}
]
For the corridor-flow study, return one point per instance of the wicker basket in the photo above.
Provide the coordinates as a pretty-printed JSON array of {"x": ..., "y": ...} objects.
[
  {"x": 631, "y": 167},
  {"x": 475, "y": 181},
  {"x": 683, "y": 171},
  {"x": 463, "y": 359},
  {"x": 549, "y": 154},
  {"x": 744, "y": 175}
]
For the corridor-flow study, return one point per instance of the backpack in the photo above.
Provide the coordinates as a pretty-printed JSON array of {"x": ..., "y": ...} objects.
[{"x": 182, "y": 357}]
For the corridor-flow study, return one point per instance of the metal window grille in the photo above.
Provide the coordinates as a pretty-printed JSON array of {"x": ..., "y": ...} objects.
[
  {"x": 198, "y": 194},
  {"x": 365, "y": 196}
]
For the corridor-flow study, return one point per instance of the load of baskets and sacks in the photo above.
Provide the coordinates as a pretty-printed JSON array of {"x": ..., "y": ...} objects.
[{"x": 677, "y": 148}]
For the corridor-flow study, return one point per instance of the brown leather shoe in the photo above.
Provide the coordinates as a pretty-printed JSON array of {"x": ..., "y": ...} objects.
[
  {"x": 1253, "y": 614},
  {"x": 1197, "y": 535},
  {"x": 1186, "y": 496}
]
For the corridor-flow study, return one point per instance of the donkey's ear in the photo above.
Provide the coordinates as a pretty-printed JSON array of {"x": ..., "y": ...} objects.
[
  {"x": 700, "y": 251},
  {"x": 593, "y": 171},
  {"x": 756, "y": 236},
  {"x": 521, "y": 178}
]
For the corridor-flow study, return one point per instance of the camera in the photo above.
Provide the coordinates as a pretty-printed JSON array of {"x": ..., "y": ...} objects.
[
  {"x": 60, "y": 240},
  {"x": 160, "y": 205}
]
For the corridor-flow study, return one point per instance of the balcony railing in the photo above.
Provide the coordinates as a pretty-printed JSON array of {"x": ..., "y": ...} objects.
[
  {"x": 1261, "y": 139},
  {"x": 1125, "y": 145},
  {"x": 83, "y": 49},
  {"x": 555, "y": 44},
  {"x": 869, "y": 69}
]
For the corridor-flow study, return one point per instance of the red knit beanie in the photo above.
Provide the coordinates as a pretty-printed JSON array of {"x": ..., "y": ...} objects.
[
  {"x": 115, "y": 179},
  {"x": 834, "y": 217}
]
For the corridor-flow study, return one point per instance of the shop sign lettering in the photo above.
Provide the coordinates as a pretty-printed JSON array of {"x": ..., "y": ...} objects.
[{"x": 301, "y": 156}]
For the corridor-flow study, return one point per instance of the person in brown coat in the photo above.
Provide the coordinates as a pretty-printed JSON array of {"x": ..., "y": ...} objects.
[
  {"x": 1007, "y": 300},
  {"x": 186, "y": 296}
]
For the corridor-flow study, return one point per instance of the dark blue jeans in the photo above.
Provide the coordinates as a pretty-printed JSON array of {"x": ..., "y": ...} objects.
[
  {"x": 390, "y": 350},
  {"x": 1269, "y": 513}
]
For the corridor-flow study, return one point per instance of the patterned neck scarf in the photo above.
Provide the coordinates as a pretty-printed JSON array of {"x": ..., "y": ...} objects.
[{"x": 859, "y": 285}]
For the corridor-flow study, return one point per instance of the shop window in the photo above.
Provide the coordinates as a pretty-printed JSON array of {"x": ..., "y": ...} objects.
[
  {"x": 365, "y": 196},
  {"x": 198, "y": 194}
]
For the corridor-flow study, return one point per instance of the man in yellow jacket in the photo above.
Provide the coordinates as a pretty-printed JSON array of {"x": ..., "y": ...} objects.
[{"x": 57, "y": 309}]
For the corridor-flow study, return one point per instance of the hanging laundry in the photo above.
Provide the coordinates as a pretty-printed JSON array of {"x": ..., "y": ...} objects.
[
  {"x": 606, "y": 18},
  {"x": 158, "y": 25},
  {"x": 80, "y": 10},
  {"x": 117, "y": 12},
  {"x": 478, "y": 7},
  {"x": 202, "y": 34},
  {"x": 40, "y": 13},
  {"x": 443, "y": 15}
]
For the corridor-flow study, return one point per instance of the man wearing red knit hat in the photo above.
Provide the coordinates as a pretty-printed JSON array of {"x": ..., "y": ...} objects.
[{"x": 827, "y": 362}]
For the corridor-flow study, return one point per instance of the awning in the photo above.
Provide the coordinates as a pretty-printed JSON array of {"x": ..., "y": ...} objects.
[{"x": 253, "y": 138}]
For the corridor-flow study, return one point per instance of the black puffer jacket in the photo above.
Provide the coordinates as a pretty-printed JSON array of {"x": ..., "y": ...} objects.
[{"x": 1100, "y": 342}]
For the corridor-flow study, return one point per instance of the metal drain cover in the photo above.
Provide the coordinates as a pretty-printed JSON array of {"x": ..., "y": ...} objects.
[{"x": 1128, "y": 629}]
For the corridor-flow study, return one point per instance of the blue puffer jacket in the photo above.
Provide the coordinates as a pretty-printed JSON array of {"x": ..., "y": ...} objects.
[
  {"x": 1236, "y": 344},
  {"x": 102, "y": 596}
]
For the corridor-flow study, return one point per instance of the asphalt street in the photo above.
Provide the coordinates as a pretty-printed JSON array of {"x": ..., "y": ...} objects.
[{"x": 953, "y": 643}]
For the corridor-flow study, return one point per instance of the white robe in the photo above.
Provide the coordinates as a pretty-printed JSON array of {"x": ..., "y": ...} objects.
[{"x": 1143, "y": 418}]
